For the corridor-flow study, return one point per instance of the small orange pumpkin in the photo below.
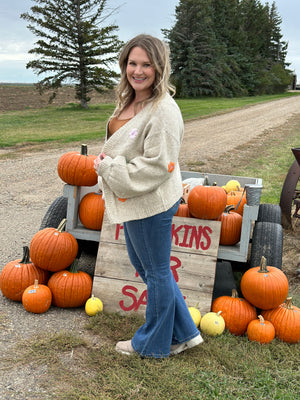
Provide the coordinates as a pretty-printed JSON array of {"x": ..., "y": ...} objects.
[
  {"x": 237, "y": 312},
  {"x": 77, "y": 168},
  {"x": 70, "y": 288},
  {"x": 260, "y": 330},
  {"x": 17, "y": 275},
  {"x": 183, "y": 211},
  {"x": 52, "y": 249},
  {"x": 286, "y": 321},
  {"x": 91, "y": 210},
  {"x": 207, "y": 202},
  {"x": 231, "y": 227},
  {"x": 238, "y": 200},
  {"x": 37, "y": 298},
  {"x": 265, "y": 287}
]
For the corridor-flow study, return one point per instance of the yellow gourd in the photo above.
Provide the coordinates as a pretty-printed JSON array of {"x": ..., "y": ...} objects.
[
  {"x": 196, "y": 315},
  {"x": 93, "y": 305},
  {"x": 212, "y": 324},
  {"x": 232, "y": 185}
]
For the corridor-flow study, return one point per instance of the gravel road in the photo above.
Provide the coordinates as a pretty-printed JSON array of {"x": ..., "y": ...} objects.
[{"x": 29, "y": 183}]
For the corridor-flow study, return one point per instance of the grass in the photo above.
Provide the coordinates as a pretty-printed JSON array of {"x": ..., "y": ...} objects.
[
  {"x": 225, "y": 367},
  {"x": 87, "y": 367},
  {"x": 71, "y": 123}
]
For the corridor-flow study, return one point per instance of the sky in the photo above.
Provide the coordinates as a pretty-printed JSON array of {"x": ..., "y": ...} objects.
[{"x": 133, "y": 17}]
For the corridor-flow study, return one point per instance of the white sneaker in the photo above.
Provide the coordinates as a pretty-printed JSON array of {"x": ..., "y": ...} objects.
[
  {"x": 125, "y": 347},
  {"x": 178, "y": 348}
]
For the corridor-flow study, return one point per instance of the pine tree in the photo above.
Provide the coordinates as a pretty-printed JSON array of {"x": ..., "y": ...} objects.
[
  {"x": 74, "y": 45},
  {"x": 198, "y": 59}
]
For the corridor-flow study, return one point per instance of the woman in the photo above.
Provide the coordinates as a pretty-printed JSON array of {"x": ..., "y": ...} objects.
[{"x": 142, "y": 188}]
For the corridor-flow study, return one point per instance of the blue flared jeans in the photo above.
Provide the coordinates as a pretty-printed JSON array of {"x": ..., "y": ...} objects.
[{"x": 168, "y": 320}]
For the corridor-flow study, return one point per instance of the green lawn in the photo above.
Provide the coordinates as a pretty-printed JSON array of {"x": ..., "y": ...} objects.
[{"x": 71, "y": 123}]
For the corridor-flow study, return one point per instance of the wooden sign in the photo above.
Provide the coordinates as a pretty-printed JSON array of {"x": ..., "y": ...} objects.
[{"x": 193, "y": 260}]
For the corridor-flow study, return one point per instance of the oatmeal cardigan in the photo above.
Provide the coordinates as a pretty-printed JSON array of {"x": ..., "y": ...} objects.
[{"x": 140, "y": 173}]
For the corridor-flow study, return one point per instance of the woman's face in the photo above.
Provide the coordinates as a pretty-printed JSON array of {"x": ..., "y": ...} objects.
[{"x": 140, "y": 72}]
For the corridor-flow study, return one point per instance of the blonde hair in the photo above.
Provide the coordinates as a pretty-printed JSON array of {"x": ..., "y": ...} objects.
[{"x": 158, "y": 53}]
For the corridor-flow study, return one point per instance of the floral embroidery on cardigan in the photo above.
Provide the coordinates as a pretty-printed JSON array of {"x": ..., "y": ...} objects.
[
  {"x": 123, "y": 200},
  {"x": 171, "y": 166},
  {"x": 133, "y": 133}
]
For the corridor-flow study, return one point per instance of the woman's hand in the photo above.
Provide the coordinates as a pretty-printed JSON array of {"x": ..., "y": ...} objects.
[{"x": 98, "y": 160}]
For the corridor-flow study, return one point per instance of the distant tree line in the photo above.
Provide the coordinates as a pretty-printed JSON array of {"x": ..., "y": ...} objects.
[
  {"x": 227, "y": 48},
  {"x": 218, "y": 47}
]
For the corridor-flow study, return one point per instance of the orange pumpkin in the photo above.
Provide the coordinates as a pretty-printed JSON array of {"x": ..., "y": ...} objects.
[
  {"x": 265, "y": 287},
  {"x": 91, "y": 210},
  {"x": 260, "y": 330},
  {"x": 286, "y": 321},
  {"x": 77, "y": 168},
  {"x": 52, "y": 249},
  {"x": 37, "y": 298},
  {"x": 70, "y": 288},
  {"x": 231, "y": 227},
  {"x": 17, "y": 275},
  {"x": 183, "y": 211},
  {"x": 237, "y": 312},
  {"x": 207, "y": 202},
  {"x": 237, "y": 198}
]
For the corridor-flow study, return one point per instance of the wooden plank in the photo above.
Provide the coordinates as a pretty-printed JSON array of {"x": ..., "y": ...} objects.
[
  {"x": 113, "y": 262},
  {"x": 127, "y": 297},
  {"x": 188, "y": 235},
  {"x": 193, "y": 262}
]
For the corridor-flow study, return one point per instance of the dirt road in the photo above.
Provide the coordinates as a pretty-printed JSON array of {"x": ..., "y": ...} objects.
[{"x": 29, "y": 183}]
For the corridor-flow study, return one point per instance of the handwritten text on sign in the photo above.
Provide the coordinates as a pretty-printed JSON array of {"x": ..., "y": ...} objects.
[{"x": 193, "y": 259}]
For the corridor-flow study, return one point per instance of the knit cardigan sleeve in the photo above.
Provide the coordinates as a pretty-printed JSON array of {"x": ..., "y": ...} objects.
[{"x": 145, "y": 154}]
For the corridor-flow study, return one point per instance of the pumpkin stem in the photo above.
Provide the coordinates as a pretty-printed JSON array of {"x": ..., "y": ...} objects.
[
  {"x": 25, "y": 259},
  {"x": 83, "y": 150},
  {"x": 36, "y": 284},
  {"x": 229, "y": 208},
  {"x": 62, "y": 225},
  {"x": 234, "y": 293},
  {"x": 74, "y": 266},
  {"x": 288, "y": 303},
  {"x": 261, "y": 319},
  {"x": 263, "y": 265}
]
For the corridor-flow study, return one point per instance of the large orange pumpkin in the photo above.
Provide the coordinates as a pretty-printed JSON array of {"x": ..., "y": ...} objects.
[
  {"x": 17, "y": 275},
  {"x": 77, "y": 168},
  {"x": 265, "y": 287},
  {"x": 37, "y": 298},
  {"x": 91, "y": 210},
  {"x": 53, "y": 249},
  {"x": 237, "y": 312},
  {"x": 207, "y": 202},
  {"x": 238, "y": 200},
  {"x": 286, "y": 320},
  {"x": 70, "y": 288},
  {"x": 231, "y": 227}
]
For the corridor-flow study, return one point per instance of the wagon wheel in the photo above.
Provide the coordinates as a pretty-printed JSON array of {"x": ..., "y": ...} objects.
[
  {"x": 269, "y": 213},
  {"x": 290, "y": 195},
  {"x": 267, "y": 241}
]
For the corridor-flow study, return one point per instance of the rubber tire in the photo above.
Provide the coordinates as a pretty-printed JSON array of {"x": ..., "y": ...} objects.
[
  {"x": 55, "y": 213},
  {"x": 269, "y": 213},
  {"x": 267, "y": 241},
  {"x": 224, "y": 280}
]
